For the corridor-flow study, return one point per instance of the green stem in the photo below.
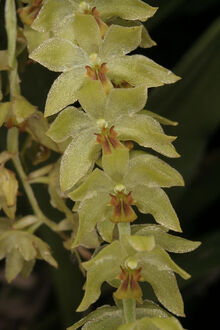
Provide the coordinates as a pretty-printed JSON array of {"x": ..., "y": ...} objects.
[
  {"x": 12, "y": 142},
  {"x": 129, "y": 305}
]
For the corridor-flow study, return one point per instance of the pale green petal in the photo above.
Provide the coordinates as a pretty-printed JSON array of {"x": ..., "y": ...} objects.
[
  {"x": 59, "y": 55},
  {"x": 116, "y": 106},
  {"x": 27, "y": 268},
  {"x": 51, "y": 14},
  {"x": 104, "y": 266},
  {"x": 157, "y": 203},
  {"x": 104, "y": 313},
  {"x": 161, "y": 259},
  {"x": 147, "y": 132},
  {"x": 70, "y": 122},
  {"x": 150, "y": 309},
  {"x": 91, "y": 211},
  {"x": 14, "y": 264},
  {"x": 87, "y": 33},
  {"x": 34, "y": 38},
  {"x": 65, "y": 30},
  {"x": 165, "y": 287},
  {"x": 25, "y": 246},
  {"x": 146, "y": 41},
  {"x": 138, "y": 70},
  {"x": 106, "y": 227},
  {"x": 168, "y": 242},
  {"x": 78, "y": 159},
  {"x": 37, "y": 125},
  {"x": 154, "y": 323},
  {"x": 151, "y": 171},
  {"x": 127, "y": 9},
  {"x": 139, "y": 244},
  {"x": 116, "y": 163},
  {"x": 97, "y": 181},
  {"x": 120, "y": 41},
  {"x": 44, "y": 251},
  {"x": 162, "y": 120},
  {"x": 63, "y": 90},
  {"x": 92, "y": 98}
]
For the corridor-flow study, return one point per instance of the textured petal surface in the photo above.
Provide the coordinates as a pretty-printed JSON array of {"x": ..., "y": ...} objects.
[
  {"x": 63, "y": 90},
  {"x": 147, "y": 132},
  {"x": 156, "y": 202},
  {"x": 120, "y": 40},
  {"x": 68, "y": 123},
  {"x": 87, "y": 33},
  {"x": 104, "y": 266},
  {"x": 127, "y": 9},
  {"x": 51, "y": 14},
  {"x": 78, "y": 159},
  {"x": 97, "y": 181},
  {"x": 162, "y": 283},
  {"x": 116, "y": 106},
  {"x": 151, "y": 171},
  {"x": 59, "y": 55},
  {"x": 138, "y": 69}
]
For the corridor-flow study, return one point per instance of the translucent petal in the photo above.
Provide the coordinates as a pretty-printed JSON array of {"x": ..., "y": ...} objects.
[
  {"x": 65, "y": 30},
  {"x": 138, "y": 69},
  {"x": 162, "y": 120},
  {"x": 147, "y": 132},
  {"x": 59, "y": 55},
  {"x": 92, "y": 98},
  {"x": 168, "y": 242},
  {"x": 104, "y": 313},
  {"x": 37, "y": 125},
  {"x": 127, "y": 9},
  {"x": 78, "y": 158},
  {"x": 150, "y": 309},
  {"x": 151, "y": 171},
  {"x": 104, "y": 266},
  {"x": 14, "y": 264},
  {"x": 91, "y": 211},
  {"x": 116, "y": 163},
  {"x": 106, "y": 227},
  {"x": 146, "y": 41},
  {"x": 34, "y": 38},
  {"x": 51, "y": 14},
  {"x": 68, "y": 123},
  {"x": 120, "y": 40},
  {"x": 116, "y": 106},
  {"x": 44, "y": 251},
  {"x": 63, "y": 90},
  {"x": 27, "y": 268},
  {"x": 157, "y": 203},
  {"x": 87, "y": 33},
  {"x": 139, "y": 244},
  {"x": 161, "y": 259},
  {"x": 154, "y": 323},
  {"x": 165, "y": 287},
  {"x": 97, "y": 181},
  {"x": 25, "y": 246}
]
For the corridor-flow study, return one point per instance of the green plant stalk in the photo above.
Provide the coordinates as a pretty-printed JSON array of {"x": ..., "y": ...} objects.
[
  {"x": 12, "y": 142},
  {"x": 129, "y": 305}
]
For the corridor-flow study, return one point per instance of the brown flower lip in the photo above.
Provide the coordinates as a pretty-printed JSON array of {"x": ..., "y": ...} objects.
[
  {"x": 129, "y": 288},
  {"x": 123, "y": 212}
]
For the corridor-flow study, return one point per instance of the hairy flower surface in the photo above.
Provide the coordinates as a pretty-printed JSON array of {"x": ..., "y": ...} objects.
[
  {"x": 128, "y": 182},
  {"x": 91, "y": 56}
]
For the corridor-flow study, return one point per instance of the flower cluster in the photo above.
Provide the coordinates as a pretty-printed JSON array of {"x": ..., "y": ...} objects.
[{"x": 102, "y": 127}]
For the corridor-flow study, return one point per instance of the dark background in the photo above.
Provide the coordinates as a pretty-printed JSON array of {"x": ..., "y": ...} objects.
[{"x": 188, "y": 36}]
